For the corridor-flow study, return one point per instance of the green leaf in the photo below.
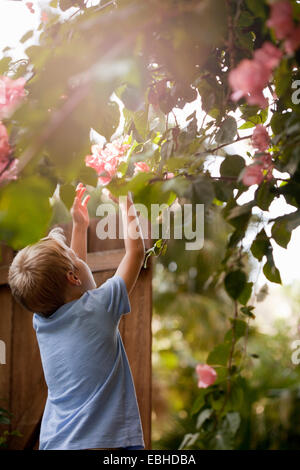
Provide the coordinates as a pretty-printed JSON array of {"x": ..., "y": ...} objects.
[
  {"x": 219, "y": 355},
  {"x": 252, "y": 121},
  {"x": 248, "y": 311},
  {"x": 281, "y": 235},
  {"x": 26, "y": 36},
  {"x": 240, "y": 329},
  {"x": 257, "y": 7},
  {"x": 246, "y": 293},
  {"x": 227, "y": 131},
  {"x": 201, "y": 191},
  {"x": 223, "y": 190},
  {"x": 240, "y": 211},
  {"x": 261, "y": 245},
  {"x": 235, "y": 283},
  {"x": 25, "y": 211},
  {"x": 88, "y": 175},
  {"x": 179, "y": 185},
  {"x": 234, "y": 421},
  {"x": 283, "y": 78},
  {"x": 232, "y": 166},
  {"x": 67, "y": 194},
  {"x": 188, "y": 440},
  {"x": 4, "y": 65},
  {"x": 65, "y": 4},
  {"x": 270, "y": 270},
  {"x": 264, "y": 195},
  {"x": 133, "y": 98},
  {"x": 245, "y": 19},
  {"x": 278, "y": 122},
  {"x": 203, "y": 416}
]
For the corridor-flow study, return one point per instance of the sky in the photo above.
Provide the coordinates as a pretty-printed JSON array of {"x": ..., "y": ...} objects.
[{"x": 16, "y": 20}]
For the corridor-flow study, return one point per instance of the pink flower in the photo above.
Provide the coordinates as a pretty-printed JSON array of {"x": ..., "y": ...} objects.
[
  {"x": 268, "y": 55},
  {"x": 265, "y": 160},
  {"x": 249, "y": 79},
  {"x": 30, "y": 6},
  {"x": 106, "y": 159},
  {"x": 141, "y": 167},
  {"x": 10, "y": 173},
  {"x": 11, "y": 93},
  {"x": 292, "y": 43},
  {"x": 206, "y": 375},
  {"x": 44, "y": 17},
  {"x": 253, "y": 175},
  {"x": 260, "y": 138},
  {"x": 258, "y": 171},
  {"x": 5, "y": 149},
  {"x": 168, "y": 176},
  {"x": 281, "y": 19}
]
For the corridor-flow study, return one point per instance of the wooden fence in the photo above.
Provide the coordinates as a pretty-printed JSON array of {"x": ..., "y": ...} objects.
[{"x": 22, "y": 386}]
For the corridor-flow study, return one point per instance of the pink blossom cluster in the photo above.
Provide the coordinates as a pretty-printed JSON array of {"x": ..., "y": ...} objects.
[
  {"x": 11, "y": 93},
  {"x": 281, "y": 20},
  {"x": 141, "y": 167},
  {"x": 251, "y": 76},
  {"x": 206, "y": 375},
  {"x": 106, "y": 159},
  {"x": 260, "y": 138},
  {"x": 5, "y": 149},
  {"x": 8, "y": 166},
  {"x": 30, "y": 6},
  {"x": 262, "y": 167}
]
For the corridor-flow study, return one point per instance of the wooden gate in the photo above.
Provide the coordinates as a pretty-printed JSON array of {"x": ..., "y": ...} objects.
[{"x": 22, "y": 386}]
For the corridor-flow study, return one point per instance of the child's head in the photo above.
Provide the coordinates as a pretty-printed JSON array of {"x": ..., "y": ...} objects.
[{"x": 46, "y": 275}]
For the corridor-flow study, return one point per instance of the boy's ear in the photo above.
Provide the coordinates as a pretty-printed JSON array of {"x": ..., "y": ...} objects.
[{"x": 73, "y": 279}]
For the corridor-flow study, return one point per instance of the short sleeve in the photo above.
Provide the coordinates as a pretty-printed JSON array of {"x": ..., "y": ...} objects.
[{"x": 117, "y": 300}]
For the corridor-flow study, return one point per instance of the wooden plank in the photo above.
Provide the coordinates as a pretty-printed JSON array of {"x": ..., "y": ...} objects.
[
  {"x": 6, "y": 315},
  {"x": 3, "y": 275},
  {"x": 137, "y": 338},
  {"x": 28, "y": 387},
  {"x": 105, "y": 260}
]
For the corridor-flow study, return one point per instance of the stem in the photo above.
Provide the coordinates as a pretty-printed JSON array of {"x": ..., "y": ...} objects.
[
  {"x": 230, "y": 359},
  {"x": 225, "y": 145}
]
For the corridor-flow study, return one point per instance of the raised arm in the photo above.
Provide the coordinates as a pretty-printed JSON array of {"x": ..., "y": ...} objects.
[
  {"x": 80, "y": 218},
  {"x": 132, "y": 262}
]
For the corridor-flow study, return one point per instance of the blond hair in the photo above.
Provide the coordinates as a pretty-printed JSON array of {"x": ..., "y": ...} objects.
[{"x": 37, "y": 275}]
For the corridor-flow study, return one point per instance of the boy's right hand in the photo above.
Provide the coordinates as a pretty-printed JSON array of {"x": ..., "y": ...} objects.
[{"x": 79, "y": 209}]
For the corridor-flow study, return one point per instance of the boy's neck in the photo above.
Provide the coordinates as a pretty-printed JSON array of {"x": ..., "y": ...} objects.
[{"x": 70, "y": 296}]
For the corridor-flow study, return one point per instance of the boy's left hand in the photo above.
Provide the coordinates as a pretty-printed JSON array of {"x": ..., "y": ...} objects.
[{"x": 79, "y": 210}]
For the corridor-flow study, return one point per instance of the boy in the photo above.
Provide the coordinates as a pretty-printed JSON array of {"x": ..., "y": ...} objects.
[{"x": 91, "y": 401}]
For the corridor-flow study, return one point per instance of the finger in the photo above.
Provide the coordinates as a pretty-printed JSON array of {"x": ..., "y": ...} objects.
[
  {"x": 86, "y": 200},
  {"x": 76, "y": 202},
  {"x": 79, "y": 186},
  {"x": 81, "y": 192}
]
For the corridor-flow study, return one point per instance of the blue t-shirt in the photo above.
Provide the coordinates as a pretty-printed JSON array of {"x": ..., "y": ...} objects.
[{"x": 91, "y": 399}]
